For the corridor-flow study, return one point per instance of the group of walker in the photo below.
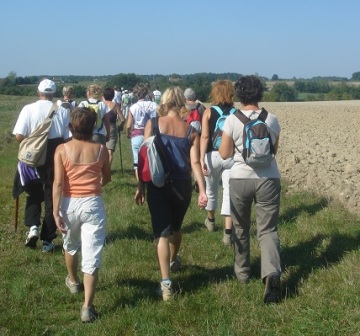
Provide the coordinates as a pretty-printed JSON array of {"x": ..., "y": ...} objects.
[{"x": 78, "y": 166}]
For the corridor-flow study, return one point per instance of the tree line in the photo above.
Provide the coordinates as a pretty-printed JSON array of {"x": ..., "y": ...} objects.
[{"x": 317, "y": 88}]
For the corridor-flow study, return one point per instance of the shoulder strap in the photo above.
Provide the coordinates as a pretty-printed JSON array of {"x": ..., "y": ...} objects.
[
  {"x": 52, "y": 111},
  {"x": 233, "y": 110},
  {"x": 241, "y": 116},
  {"x": 218, "y": 109},
  {"x": 90, "y": 103},
  {"x": 263, "y": 115},
  {"x": 100, "y": 152}
]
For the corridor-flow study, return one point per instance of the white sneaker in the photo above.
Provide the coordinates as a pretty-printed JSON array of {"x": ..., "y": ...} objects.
[
  {"x": 74, "y": 287},
  {"x": 165, "y": 291},
  {"x": 227, "y": 239},
  {"x": 210, "y": 224},
  {"x": 32, "y": 236}
]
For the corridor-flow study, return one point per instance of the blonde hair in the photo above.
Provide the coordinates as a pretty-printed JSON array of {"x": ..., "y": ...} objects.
[
  {"x": 172, "y": 99},
  {"x": 68, "y": 90},
  {"x": 95, "y": 91},
  {"x": 222, "y": 93}
]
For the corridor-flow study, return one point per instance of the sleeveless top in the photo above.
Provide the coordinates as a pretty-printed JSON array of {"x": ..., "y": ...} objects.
[
  {"x": 178, "y": 150},
  {"x": 214, "y": 116},
  {"x": 82, "y": 179},
  {"x": 112, "y": 115}
]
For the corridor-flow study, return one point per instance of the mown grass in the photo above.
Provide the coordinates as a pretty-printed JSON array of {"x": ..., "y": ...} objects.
[{"x": 320, "y": 255}]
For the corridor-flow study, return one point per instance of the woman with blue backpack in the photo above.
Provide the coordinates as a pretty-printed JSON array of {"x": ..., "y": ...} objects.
[
  {"x": 213, "y": 166},
  {"x": 254, "y": 178}
]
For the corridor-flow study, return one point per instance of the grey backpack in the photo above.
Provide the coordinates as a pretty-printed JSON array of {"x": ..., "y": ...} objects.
[{"x": 258, "y": 149}]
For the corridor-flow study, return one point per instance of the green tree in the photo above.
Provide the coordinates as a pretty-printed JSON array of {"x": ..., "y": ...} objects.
[
  {"x": 275, "y": 77},
  {"x": 356, "y": 76},
  {"x": 282, "y": 92}
]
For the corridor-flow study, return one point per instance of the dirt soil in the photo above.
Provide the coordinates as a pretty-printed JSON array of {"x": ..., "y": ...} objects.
[{"x": 319, "y": 148}]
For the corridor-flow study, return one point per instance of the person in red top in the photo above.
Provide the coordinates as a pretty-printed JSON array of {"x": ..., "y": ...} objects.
[{"x": 81, "y": 169}]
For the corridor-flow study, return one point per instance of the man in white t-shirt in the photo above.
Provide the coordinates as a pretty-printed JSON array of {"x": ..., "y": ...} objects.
[
  {"x": 125, "y": 103},
  {"x": 117, "y": 95},
  {"x": 29, "y": 118},
  {"x": 157, "y": 95}
]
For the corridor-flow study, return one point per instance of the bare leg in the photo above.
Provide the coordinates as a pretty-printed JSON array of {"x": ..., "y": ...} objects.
[
  {"x": 71, "y": 262},
  {"x": 163, "y": 251},
  {"x": 228, "y": 222},
  {"x": 110, "y": 156},
  {"x": 90, "y": 282},
  {"x": 211, "y": 214},
  {"x": 175, "y": 242},
  {"x": 136, "y": 175}
]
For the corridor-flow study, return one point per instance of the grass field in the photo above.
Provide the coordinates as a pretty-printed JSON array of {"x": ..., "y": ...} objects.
[{"x": 320, "y": 255}]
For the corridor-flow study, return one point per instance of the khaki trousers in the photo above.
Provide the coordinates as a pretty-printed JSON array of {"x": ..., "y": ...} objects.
[{"x": 265, "y": 193}]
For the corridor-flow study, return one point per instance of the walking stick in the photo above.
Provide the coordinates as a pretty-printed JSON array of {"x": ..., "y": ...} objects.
[
  {"x": 121, "y": 161},
  {"x": 16, "y": 213}
]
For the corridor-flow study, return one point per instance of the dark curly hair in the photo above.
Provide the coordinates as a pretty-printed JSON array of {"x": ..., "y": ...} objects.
[
  {"x": 140, "y": 91},
  {"x": 249, "y": 89},
  {"x": 82, "y": 121}
]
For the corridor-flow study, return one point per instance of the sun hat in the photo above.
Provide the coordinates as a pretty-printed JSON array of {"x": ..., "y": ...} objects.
[{"x": 47, "y": 86}]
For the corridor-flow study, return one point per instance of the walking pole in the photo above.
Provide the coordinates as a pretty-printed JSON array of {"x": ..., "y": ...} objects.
[
  {"x": 121, "y": 161},
  {"x": 16, "y": 213}
]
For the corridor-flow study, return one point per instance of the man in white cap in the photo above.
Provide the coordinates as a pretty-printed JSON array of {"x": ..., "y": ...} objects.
[{"x": 29, "y": 118}]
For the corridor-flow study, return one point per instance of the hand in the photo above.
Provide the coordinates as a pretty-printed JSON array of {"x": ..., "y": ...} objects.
[
  {"x": 120, "y": 128},
  {"x": 139, "y": 197},
  {"x": 60, "y": 224},
  {"x": 204, "y": 169},
  {"x": 202, "y": 200}
]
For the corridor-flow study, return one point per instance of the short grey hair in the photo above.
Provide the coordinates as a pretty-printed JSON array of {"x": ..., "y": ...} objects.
[{"x": 189, "y": 94}]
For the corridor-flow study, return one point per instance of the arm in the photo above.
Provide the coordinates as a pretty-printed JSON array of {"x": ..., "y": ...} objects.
[
  {"x": 119, "y": 113},
  {"x": 129, "y": 125},
  {"x": 226, "y": 149},
  {"x": 106, "y": 121},
  {"x": 196, "y": 167},
  {"x": 19, "y": 137},
  {"x": 204, "y": 141},
  {"x": 276, "y": 145},
  {"x": 105, "y": 170},
  {"x": 58, "y": 187}
]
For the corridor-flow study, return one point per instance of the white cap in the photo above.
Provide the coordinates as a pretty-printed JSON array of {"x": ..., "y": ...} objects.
[{"x": 47, "y": 86}]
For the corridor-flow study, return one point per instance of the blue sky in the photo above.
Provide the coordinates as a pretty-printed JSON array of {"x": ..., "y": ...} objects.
[{"x": 290, "y": 38}]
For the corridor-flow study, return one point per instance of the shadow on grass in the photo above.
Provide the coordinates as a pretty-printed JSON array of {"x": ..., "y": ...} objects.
[
  {"x": 191, "y": 278},
  {"x": 311, "y": 255},
  {"x": 291, "y": 214},
  {"x": 192, "y": 227},
  {"x": 131, "y": 232}
]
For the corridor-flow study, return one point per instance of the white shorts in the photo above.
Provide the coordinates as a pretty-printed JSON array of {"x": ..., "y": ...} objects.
[{"x": 85, "y": 220}]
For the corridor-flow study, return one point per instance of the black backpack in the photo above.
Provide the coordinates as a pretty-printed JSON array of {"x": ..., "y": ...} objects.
[{"x": 258, "y": 149}]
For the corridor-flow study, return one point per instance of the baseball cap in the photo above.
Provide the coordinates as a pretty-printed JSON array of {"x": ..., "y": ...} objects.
[
  {"x": 189, "y": 94},
  {"x": 47, "y": 86}
]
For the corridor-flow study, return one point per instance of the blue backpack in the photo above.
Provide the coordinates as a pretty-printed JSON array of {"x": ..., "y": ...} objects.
[
  {"x": 217, "y": 135},
  {"x": 258, "y": 149}
]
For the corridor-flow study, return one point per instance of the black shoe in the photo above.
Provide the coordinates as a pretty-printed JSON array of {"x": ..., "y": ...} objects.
[{"x": 272, "y": 288}]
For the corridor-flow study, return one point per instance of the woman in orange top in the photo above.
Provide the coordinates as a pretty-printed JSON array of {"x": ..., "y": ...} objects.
[{"x": 81, "y": 169}]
